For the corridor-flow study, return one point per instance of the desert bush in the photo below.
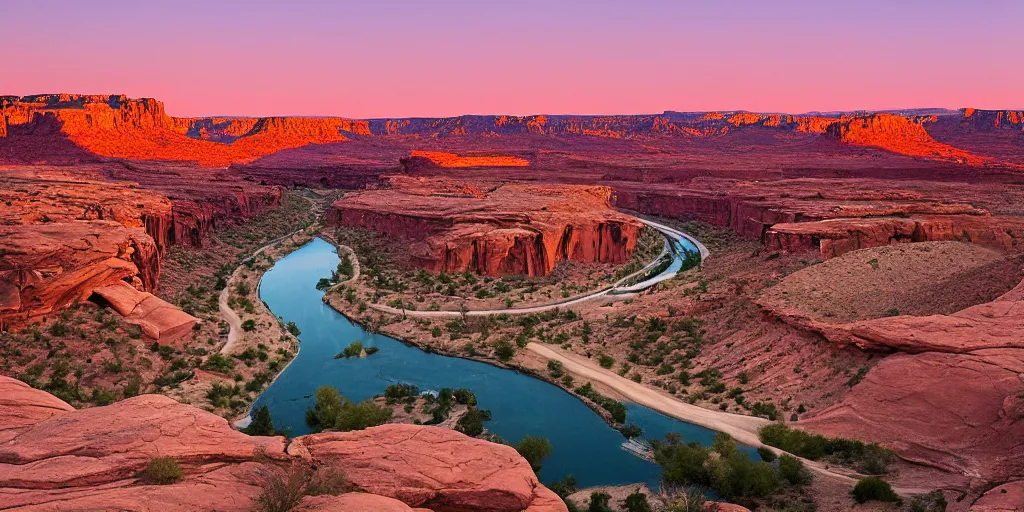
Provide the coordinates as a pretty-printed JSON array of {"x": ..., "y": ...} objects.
[
  {"x": 283, "y": 489},
  {"x": 793, "y": 470},
  {"x": 873, "y": 488},
  {"x": 162, "y": 471}
]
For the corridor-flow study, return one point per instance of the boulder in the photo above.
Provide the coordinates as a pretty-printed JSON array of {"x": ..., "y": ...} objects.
[
  {"x": 432, "y": 468},
  {"x": 159, "y": 319}
]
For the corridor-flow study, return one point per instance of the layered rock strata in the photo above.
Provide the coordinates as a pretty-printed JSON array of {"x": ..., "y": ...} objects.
[{"x": 509, "y": 229}]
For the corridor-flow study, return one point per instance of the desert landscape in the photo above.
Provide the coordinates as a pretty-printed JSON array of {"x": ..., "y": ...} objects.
[
  {"x": 511, "y": 257},
  {"x": 859, "y": 278}
]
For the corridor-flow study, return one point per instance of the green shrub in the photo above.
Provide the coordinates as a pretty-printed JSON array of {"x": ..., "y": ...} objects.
[
  {"x": 599, "y": 502},
  {"x": 249, "y": 325},
  {"x": 262, "y": 424},
  {"x": 606, "y": 361},
  {"x": 331, "y": 410},
  {"x": 766, "y": 454},
  {"x": 873, "y": 488},
  {"x": 162, "y": 471},
  {"x": 504, "y": 350},
  {"x": 793, "y": 470},
  {"x": 472, "y": 423},
  {"x": 869, "y": 458},
  {"x": 534, "y": 450},
  {"x": 637, "y": 502}
]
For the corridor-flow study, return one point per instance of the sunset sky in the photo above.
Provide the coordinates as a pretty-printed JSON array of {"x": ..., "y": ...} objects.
[{"x": 382, "y": 58}]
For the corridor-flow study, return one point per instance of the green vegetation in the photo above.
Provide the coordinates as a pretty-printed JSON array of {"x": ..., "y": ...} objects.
[
  {"x": 721, "y": 467},
  {"x": 472, "y": 423},
  {"x": 292, "y": 328},
  {"x": 355, "y": 349},
  {"x": 616, "y": 408},
  {"x": 606, "y": 361},
  {"x": 600, "y": 502},
  {"x": 162, "y": 471},
  {"x": 262, "y": 424},
  {"x": 333, "y": 411},
  {"x": 873, "y": 488},
  {"x": 637, "y": 502},
  {"x": 766, "y": 454},
  {"x": 870, "y": 459},
  {"x": 793, "y": 470},
  {"x": 249, "y": 325},
  {"x": 534, "y": 450}
]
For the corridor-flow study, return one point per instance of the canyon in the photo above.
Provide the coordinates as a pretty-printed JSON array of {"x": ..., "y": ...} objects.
[
  {"x": 493, "y": 229},
  {"x": 98, "y": 189}
]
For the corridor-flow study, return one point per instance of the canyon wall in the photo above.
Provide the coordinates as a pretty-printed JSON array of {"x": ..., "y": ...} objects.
[
  {"x": 140, "y": 129},
  {"x": 511, "y": 229},
  {"x": 832, "y": 217}
]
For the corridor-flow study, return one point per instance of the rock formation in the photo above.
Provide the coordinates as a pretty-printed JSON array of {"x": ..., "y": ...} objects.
[
  {"x": 55, "y": 458},
  {"x": 69, "y": 232},
  {"x": 830, "y": 216},
  {"x": 899, "y": 134},
  {"x": 452, "y": 161},
  {"x": 139, "y": 129},
  {"x": 45, "y": 267},
  {"x": 158, "y": 319},
  {"x": 510, "y": 229}
]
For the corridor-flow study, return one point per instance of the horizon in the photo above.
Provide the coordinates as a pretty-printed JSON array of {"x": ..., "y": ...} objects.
[
  {"x": 498, "y": 114},
  {"x": 404, "y": 59}
]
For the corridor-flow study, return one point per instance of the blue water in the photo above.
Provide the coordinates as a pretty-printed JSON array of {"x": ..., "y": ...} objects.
[{"x": 584, "y": 444}]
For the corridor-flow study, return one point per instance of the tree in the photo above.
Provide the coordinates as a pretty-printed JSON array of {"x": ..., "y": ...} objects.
[
  {"x": 793, "y": 470},
  {"x": 504, "y": 350},
  {"x": 637, "y": 502},
  {"x": 324, "y": 413},
  {"x": 333, "y": 411},
  {"x": 873, "y": 488},
  {"x": 599, "y": 502},
  {"x": 766, "y": 454},
  {"x": 534, "y": 450},
  {"x": 472, "y": 423},
  {"x": 262, "y": 424},
  {"x": 363, "y": 415},
  {"x": 249, "y": 325}
]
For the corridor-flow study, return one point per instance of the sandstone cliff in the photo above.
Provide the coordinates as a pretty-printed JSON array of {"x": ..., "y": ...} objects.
[
  {"x": 55, "y": 458},
  {"x": 511, "y": 229},
  {"x": 45, "y": 267},
  {"x": 829, "y": 216},
  {"x": 899, "y": 134}
]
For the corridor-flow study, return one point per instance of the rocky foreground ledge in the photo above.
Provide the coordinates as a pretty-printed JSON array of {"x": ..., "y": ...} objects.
[{"x": 53, "y": 457}]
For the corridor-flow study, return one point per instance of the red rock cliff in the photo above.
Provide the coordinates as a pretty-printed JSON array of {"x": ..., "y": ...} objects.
[
  {"x": 898, "y": 134},
  {"x": 45, "y": 267},
  {"x": 513, "y": 229}
]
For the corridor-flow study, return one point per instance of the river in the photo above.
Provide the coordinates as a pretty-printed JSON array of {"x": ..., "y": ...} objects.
[{"x": 584, "y": 445}]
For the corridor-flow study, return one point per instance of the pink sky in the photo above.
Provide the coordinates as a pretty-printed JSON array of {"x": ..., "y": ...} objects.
[{"x": 415, "y": 58}]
